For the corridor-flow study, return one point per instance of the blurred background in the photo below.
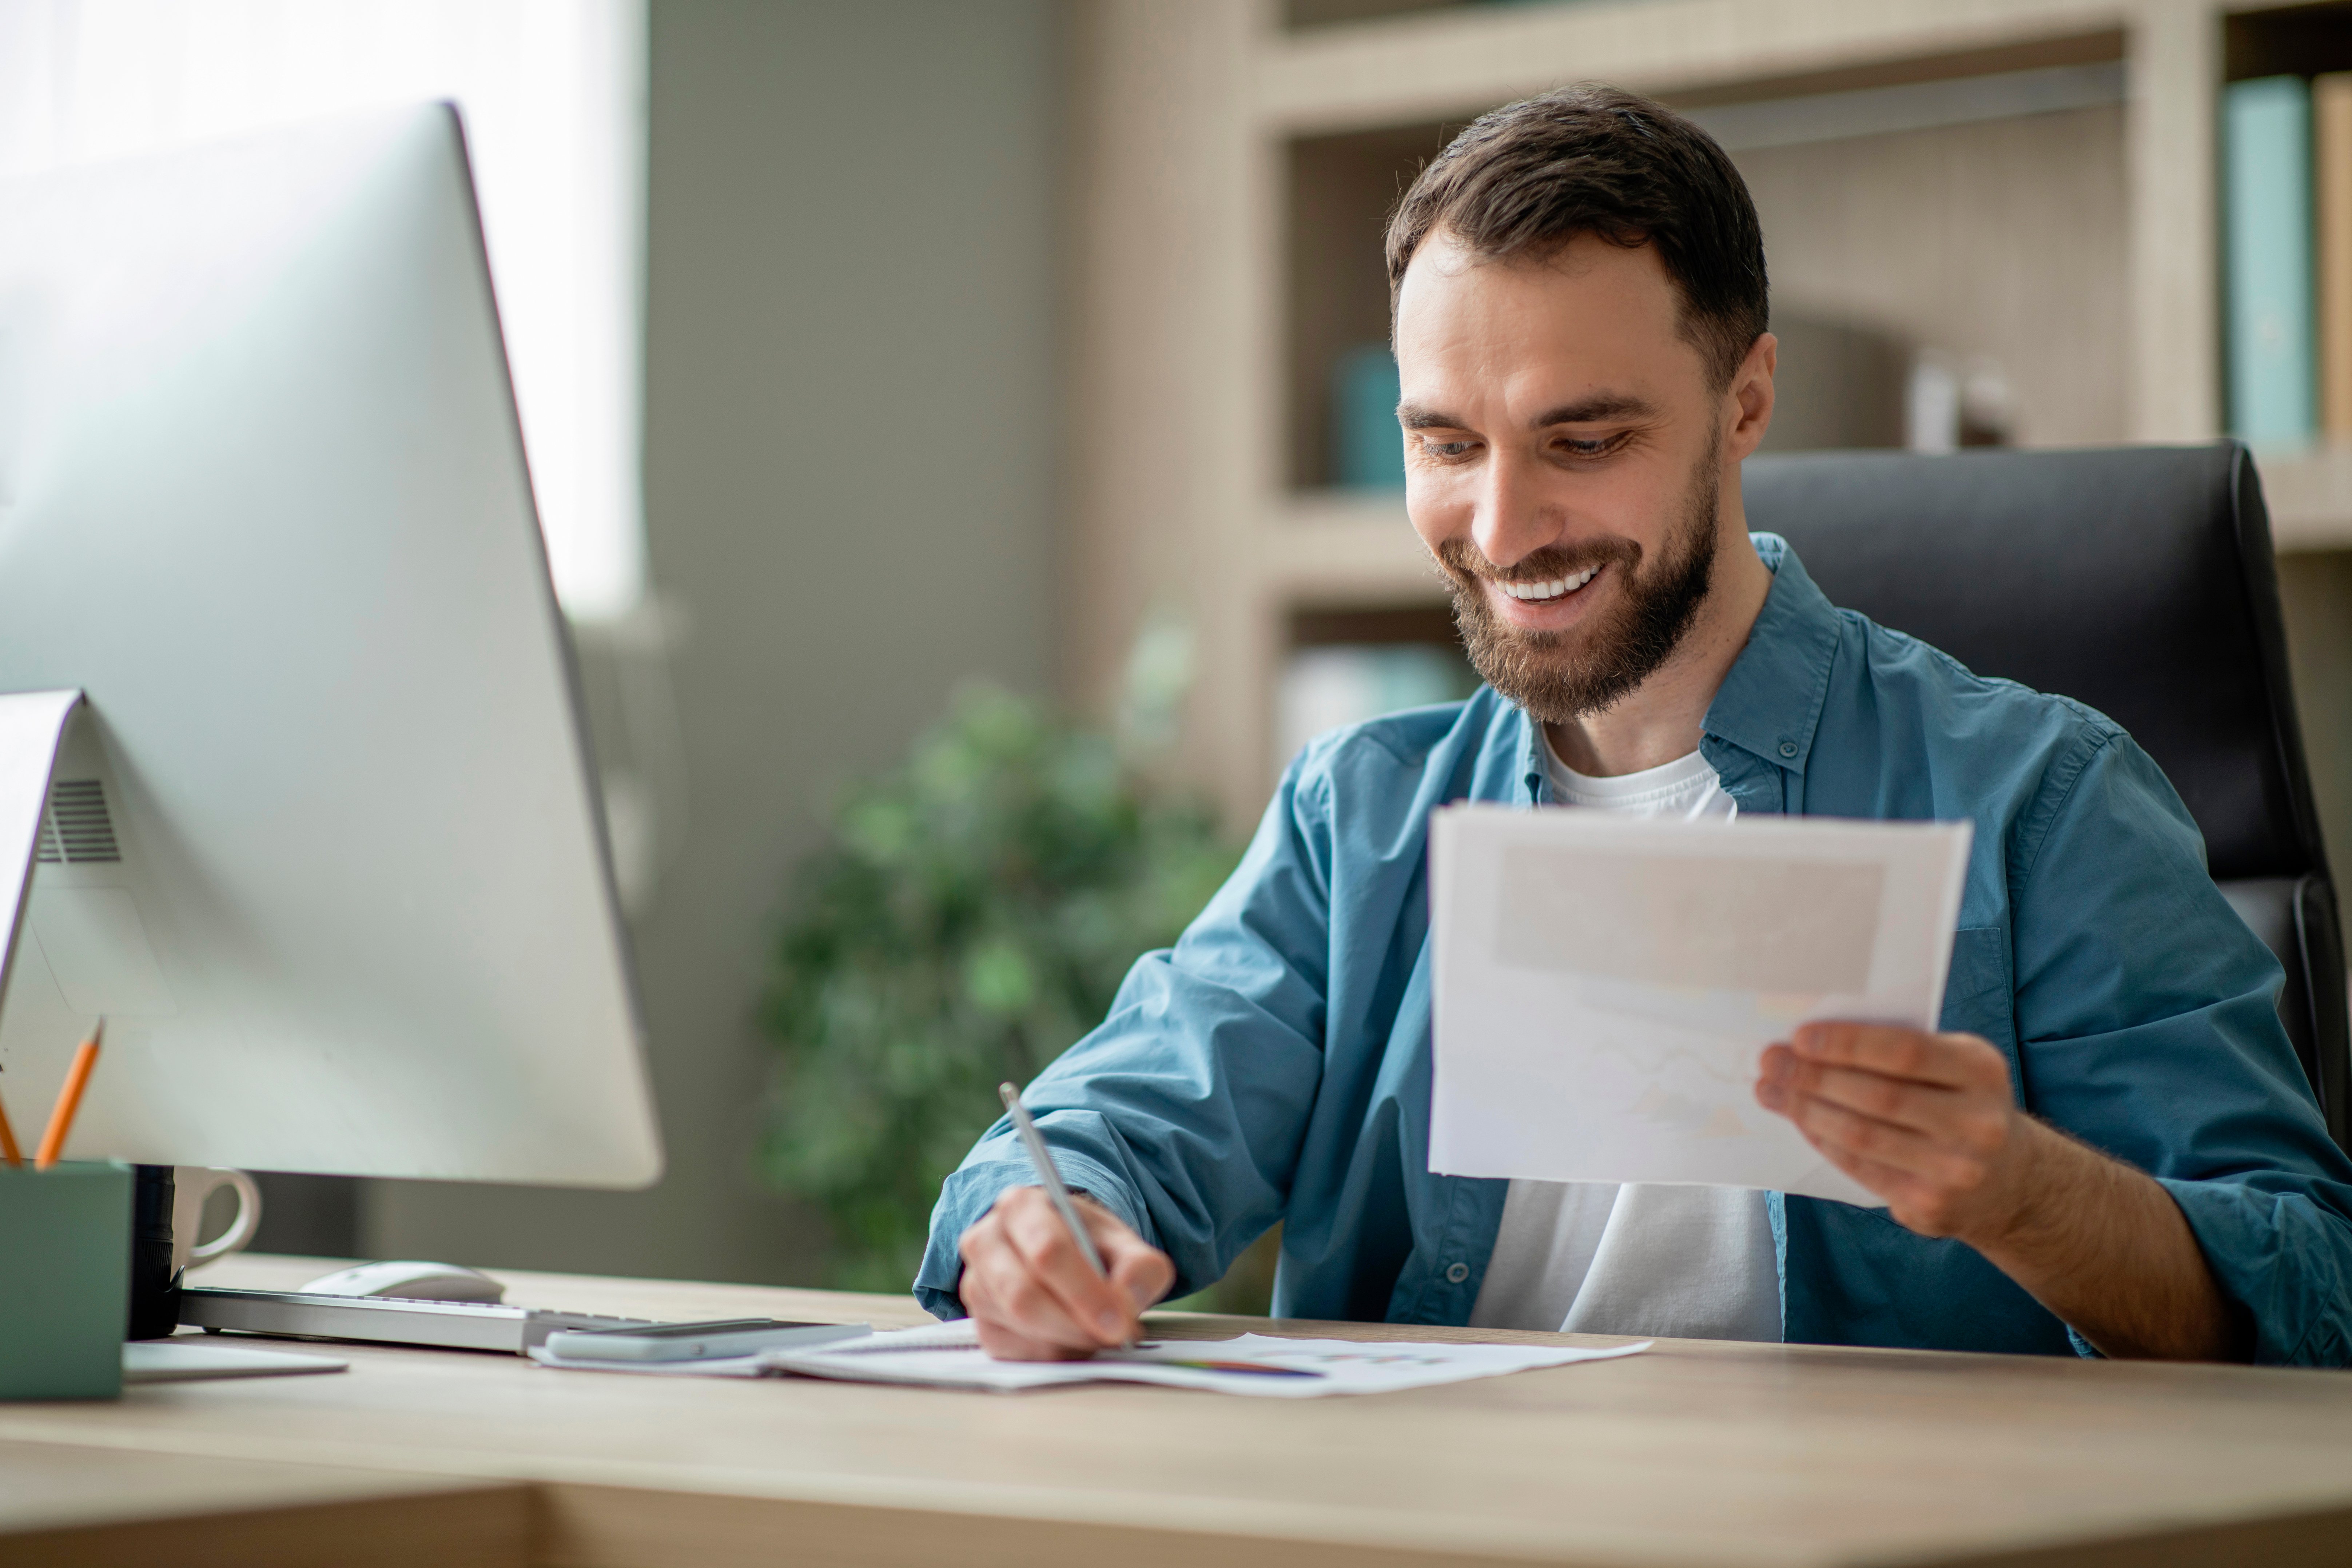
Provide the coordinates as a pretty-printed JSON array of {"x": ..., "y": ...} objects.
[{"x": 964, "y": 432}]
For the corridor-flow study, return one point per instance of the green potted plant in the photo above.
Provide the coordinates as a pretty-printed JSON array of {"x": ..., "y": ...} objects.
[{"x": 969, "y": 915}]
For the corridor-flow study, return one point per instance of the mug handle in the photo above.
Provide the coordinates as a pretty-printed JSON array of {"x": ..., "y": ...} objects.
[{"x": 240, "y": 1231}]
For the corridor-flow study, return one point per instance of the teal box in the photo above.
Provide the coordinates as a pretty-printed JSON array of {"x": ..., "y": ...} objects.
[
  {"x": 1367, "y": 447},
  {"x": 65, "y": 1280},
  {"x": 2267, "y": 221}
]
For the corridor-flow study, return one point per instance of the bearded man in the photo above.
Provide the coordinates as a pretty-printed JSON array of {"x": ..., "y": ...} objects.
[{"x": 2108, "y": 1148}]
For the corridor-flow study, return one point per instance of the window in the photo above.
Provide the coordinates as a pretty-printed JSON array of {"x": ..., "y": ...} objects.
[{"x": 553, "y": 95}]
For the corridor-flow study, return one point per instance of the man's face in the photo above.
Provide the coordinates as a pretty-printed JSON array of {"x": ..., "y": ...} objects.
[{"x": 1563, "y": 454}]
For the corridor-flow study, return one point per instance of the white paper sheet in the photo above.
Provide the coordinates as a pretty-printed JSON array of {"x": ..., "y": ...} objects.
[
  {"x": 1605, "y": 986},
  {"x": 1262, "y": 1365}
]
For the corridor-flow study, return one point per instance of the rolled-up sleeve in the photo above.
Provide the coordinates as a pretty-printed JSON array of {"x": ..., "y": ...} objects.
[
  {"x": 1184, "y": 1111},
  {"x": 2147, "y": 1027}
]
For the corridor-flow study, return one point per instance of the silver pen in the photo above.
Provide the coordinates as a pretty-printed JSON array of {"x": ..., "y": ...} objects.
[{"x": 1041, "y": 1159}]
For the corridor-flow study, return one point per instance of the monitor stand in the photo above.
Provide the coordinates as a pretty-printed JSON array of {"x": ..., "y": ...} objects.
[{"x": 155, "y": 1288}]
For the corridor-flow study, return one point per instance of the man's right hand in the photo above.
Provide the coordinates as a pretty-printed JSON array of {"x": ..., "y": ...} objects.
[{"x": 1031, "y": 1292}]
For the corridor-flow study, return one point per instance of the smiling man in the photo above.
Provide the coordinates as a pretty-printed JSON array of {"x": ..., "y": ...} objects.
[{"x": 2109, "y": 1148}]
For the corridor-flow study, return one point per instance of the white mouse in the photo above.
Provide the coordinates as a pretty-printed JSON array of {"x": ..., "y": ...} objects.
[{"x": 409, "y": 1280}]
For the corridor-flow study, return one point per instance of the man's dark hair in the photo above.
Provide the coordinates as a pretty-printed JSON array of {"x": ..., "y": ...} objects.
[{"x": 1526, "y": 179}]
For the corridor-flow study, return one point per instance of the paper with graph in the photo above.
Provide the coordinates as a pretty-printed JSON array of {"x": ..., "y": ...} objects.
[
  {"x": 1264, "y": 1365},
  {"x": 1605, "y": 986}
]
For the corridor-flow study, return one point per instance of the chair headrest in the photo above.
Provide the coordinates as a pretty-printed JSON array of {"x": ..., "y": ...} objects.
[{"x": 2139, "y": 580}]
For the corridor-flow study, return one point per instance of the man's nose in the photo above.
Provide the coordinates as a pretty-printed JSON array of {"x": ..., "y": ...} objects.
[{"x": 1510, "y": 521}]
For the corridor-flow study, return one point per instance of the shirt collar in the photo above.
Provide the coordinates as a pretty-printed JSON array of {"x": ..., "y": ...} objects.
[{"x": 1771, "y": 702}]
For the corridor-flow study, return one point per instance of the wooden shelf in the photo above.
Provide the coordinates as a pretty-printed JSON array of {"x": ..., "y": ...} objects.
[
  {"x": 2310, "y": 497},
  {"x": 1431, "y": 64},
  {"x": 1344, "y": 548},
  {"x": 1298, "y": 16}
]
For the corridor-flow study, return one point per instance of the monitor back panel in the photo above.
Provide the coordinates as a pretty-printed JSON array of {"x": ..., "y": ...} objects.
[{"x": 325, "y": 849}]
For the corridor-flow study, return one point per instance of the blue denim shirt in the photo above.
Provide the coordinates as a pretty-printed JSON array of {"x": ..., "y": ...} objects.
[{"x": 1274, "y": 1064}]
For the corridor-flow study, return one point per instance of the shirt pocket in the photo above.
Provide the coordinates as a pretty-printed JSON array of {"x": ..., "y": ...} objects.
[{"x": 1976, "y": 996}]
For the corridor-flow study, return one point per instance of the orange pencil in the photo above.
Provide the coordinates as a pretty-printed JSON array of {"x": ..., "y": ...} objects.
[
  {"x": 53, "y": 1140},
  {"x": 8, "y": 1150}
]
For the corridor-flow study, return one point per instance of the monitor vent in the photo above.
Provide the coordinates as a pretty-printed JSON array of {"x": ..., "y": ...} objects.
[{"x": 76, "y": 830}]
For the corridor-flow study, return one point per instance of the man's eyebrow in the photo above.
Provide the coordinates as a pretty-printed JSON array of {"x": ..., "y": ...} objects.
[
  {"x": 1599, "y": 408},
  {"x": 1413, "y": 417}
]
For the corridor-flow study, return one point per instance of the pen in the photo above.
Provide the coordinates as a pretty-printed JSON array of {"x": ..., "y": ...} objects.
[
  {"x": 8, "y": 1150},
  {"x": 53, "y": 1139},
  {"x": 1048, "y": 1177}
]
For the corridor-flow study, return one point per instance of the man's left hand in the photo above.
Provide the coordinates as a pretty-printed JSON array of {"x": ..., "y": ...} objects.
[
  {"x": 1926, "y": 1121},
  {"x": 1929, "y": 1123}
]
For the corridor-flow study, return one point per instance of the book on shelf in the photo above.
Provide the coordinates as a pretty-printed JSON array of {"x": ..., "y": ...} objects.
[
  {"x": 2331, "y": 150},
  {"x": 2267, "y": 253},
  {"x": 1367, "y": 447}
]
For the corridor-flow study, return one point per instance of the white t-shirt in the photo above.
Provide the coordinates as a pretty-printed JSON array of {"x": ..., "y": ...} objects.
[{"x": 1598, "y": 1259}]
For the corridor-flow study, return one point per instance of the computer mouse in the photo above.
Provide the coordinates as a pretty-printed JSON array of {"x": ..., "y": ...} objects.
[{"x": 410, "y": 1280}]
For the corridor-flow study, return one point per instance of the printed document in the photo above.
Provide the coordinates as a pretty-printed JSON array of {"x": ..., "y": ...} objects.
[
  {"x": 1263, "y": 1365},
  {"x": 1604, "y": 987},
  {"x": 948, "y": 1355}
]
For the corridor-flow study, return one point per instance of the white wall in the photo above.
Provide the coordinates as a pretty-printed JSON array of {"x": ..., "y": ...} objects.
[{"x": 851, "y": 411}]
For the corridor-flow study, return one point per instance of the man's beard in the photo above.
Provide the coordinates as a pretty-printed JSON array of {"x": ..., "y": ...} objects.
[{"x": 1561, "y": 677}]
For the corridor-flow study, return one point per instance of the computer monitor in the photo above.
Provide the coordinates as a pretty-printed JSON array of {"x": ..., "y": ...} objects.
[{"x": 325, "y": 847}]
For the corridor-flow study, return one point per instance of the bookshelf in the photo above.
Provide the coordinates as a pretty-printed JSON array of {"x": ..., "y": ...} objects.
[{"x": 2025, "y": 185}]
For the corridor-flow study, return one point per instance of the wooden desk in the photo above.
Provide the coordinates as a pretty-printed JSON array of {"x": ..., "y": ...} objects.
[{"x": 1698, "y": 1453}]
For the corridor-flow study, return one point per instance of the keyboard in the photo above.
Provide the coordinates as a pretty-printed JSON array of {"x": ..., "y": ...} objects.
[{"x": 384, "y": 1320}]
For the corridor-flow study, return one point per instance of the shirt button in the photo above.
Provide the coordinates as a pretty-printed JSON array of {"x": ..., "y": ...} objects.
[
  {"x": 1788, "y": 748},
  {"x": 1457, "y": 1272}
]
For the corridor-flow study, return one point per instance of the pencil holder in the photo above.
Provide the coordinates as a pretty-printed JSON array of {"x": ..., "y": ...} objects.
[{"x": 65, "y": 1289}]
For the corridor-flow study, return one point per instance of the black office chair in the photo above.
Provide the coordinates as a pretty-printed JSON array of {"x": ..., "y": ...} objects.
[{"x": 2139, "y": 580}]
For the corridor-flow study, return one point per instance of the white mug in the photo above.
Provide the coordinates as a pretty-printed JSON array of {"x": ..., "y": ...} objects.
[{"x": 191, "y": 1185}]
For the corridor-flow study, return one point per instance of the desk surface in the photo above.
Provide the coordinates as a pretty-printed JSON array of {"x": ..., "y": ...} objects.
[{"x": 1696, "y": 1453}]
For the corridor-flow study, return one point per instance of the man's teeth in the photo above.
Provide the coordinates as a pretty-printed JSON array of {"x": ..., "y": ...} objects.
[{"x": 1553, "y": 589}]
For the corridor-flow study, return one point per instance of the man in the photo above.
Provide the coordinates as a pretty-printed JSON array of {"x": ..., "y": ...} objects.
[{"x": 2108, "y": 1149}]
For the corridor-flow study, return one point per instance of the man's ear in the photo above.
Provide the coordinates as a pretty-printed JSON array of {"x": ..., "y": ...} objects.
[{"x": 1748, "y": 412}]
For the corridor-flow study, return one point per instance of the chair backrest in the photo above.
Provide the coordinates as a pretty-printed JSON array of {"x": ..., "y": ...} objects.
[{"x": 2140, "y": 581}]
